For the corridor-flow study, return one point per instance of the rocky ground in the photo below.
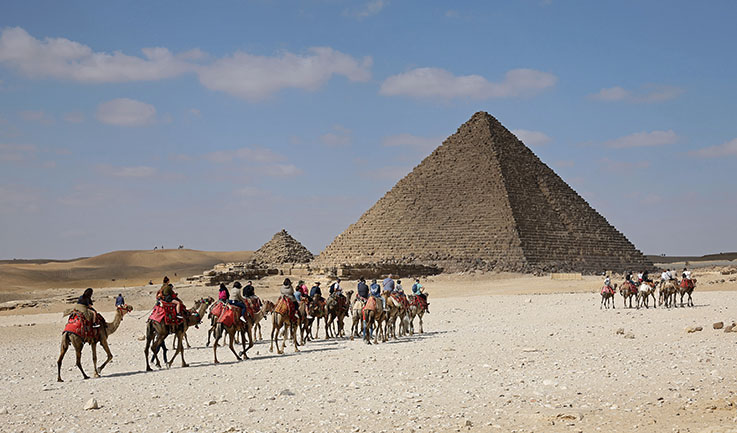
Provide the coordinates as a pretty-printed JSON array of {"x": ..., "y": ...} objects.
[{"x": 526, "y": 362}]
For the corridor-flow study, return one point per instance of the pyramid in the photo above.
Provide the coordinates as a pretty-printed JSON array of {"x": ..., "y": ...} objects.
[
  {"x": 483, "y": 200},
  {"x": 282, "y": 248}
]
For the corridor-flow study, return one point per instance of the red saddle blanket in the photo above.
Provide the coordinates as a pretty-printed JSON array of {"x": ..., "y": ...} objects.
[
  {"x": 166, "y": 313},
  {"x": 217, "y": 308},
  {"x": 230, "y": 315},
  {"x": 253, "y": 305},
  {"x": 401, "y": 299},
  {"x": 687, "y": 284},
  {"x": 607, "y": 289},
  {"x": 285, "y": 306},
  {"x": 370, "y": 304},
  {"x": 419, "y": 301},
  {"x": 78, "y": 325}
]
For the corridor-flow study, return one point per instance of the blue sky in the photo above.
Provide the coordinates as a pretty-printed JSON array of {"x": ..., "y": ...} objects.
[{"x": 125, "y": 126}]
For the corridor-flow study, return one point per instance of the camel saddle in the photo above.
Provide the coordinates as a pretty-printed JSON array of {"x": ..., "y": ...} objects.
[
  {"x": 402, "y": 299},
  {"x": 607, "y": 289},
  {"x": 166, "y": 313},
  {"x": 687, "y": 283},
  {"x": 230, "y": 315},
  {"x": 253, "y": 305},
  {"x": 418, "y": 301},
  {"x": 285, "y": 306},
  {"x": 370, "y": 304},
  {"x": 78, "y": 325},
  {"x": 217, "y": 308}
]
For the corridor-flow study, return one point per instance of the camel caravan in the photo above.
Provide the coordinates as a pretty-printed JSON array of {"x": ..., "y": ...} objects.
[
  {"x": 379, "y": 312},
  {"x": 668, "y": 289}
]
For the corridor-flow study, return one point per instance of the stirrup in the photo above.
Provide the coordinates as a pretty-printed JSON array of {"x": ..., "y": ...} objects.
[{"x": 243, "y": 319}]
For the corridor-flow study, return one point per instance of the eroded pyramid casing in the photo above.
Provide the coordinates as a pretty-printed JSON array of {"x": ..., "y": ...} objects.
[{"x": 483, "y": 200}]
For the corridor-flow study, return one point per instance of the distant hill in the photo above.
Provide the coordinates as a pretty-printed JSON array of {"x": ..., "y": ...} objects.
[
  {"x": 117, "y": 268},
  {"x": 708, "y": 257}
]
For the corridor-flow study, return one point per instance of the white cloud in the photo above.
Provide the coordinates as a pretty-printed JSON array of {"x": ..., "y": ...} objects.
[
  {"x": 68, "y": 60},
  {"x": 409, "y": 140},
  {"x": 36, "y": 116},
  {"x": 340, "y": 137},
  {"x": 643, "y": 139},
  {"x": 17, "y": 152},
  {"x": 649, "y": 94},
  {"x": 532, "y": 138},
  {"x": 126, "y": 112},
  {"x": 371, "y": 8},
  {"x": 255, "y": 78},
  {"x": 134, "y": 171},
  {"x": 74, "y": 117},
  {"x": 281, "y": 170},
  {"x": 725, "y": 149},
  {"x": 249, "y": 154},
  {"x": 439, "y": 83}
]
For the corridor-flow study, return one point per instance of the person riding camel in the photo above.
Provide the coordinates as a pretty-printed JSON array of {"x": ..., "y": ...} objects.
[
  {"x": 335, "y": 287},
  {"x": 362, "y": 290},
  {"x": 84, "y": 306},
  {"x": 376, "y": 293},
  {"x": 646, "y": 276},
  {"x": 315, "y": 292},
  {"x": 167, "y": 294},
  {"x": 419, "y": 290},
  {"x": 398, "y": 288},
  {"x": 288, "y": 292},
  {"x": 628, "y": 278},
  {"x": 300, "y": 291},
  {"x": 237, "y": 300},
  {"x": 388, "y": 284},
  {"x": 223, "y": 294},
  {"x": 608, "y": 284}
]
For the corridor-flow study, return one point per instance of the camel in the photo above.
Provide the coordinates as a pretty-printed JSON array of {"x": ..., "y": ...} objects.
[
  {"x": 100, "y": 335},
  {"x": 318, "y": 311},
  {"x": 685, "y": 291},
  {"x": 337, "y": 313},
  {"x": 396, "y": 310},
  {"x": 667, "y": 293},
  {"x": 356, "y": 308},
  {"x": 231, "y": 329},
  {"x": 369, "y": 315},
  {"x": 607, "y": 296},
  {"x": 414, "y": 311},
  {"x": 159, "y": 331},
  {"x": 645, "y": 291},
  {"x": 267, "y": 308},
  {"x": 288, "y": 322},
  {"x": 628, "y": 291}
]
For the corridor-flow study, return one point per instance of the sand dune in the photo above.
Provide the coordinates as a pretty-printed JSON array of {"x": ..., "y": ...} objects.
[{"x": 117, "y": 268}]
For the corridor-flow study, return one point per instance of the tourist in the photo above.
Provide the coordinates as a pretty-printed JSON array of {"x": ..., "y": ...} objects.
[
  {"x": 388, "y": 284},
  {"x": 223, "y": 294},
  {"x": 237, "y": 299},
  {"x": 287, "y": 292},
  {"x": 419, "y": 290},
  {"x": 646, "y": 276},
  {"x": 335, "y": 287},
  {"x": 248, "y": 290},
  {"x": 315, "y": 292},
  {"x": 84, "y": 306},
  {"x": 665, "y": 276},
  {"x": 362, "y": 290},
  {"x": 686, "y": 274},
  {"x": 119, "y": 301},
  {"x": 376, "y": 293},
  {"x": 628, "y": 278},
  {"x": 398, "y": 288},
  {"x": 167, "y": 294}
]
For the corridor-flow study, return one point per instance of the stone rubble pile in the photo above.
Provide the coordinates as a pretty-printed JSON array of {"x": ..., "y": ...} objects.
[{"x": 281, "y": 249}]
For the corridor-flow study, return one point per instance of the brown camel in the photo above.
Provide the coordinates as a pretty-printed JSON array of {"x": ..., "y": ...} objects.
[
  {"x": 318, "y": 312},
  {"x": 237, "y": 326},
  {"x": 100, "y": 335},
  {"x": 395, "y": 310},
  {"x": 288, "y": 322},
  {"x": 267, "y": 308},
  {"x": 628, "y": 291},
  {"x": 607, "y": 296},
  {"x": 415, "y": 311},
  {"x": 644, "y": 292},
  {"x": 157, "y": 332},
  {"x": 369, "y": 315},
  {"x": 356, "y": 309},
  {"x": 688, "y": 290},
  {"x": 336, "y": 313},
  {"x": 667, "y": 294}
]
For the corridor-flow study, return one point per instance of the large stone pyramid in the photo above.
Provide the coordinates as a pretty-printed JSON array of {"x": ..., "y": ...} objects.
[
  {"x": 483, "y": 200},
  {"x": 282, "y": 248}
]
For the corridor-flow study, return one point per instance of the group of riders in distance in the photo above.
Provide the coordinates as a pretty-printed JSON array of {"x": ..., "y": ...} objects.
[
  {"x": 379, "y": 311},
  {"x": 645, "y": 288}
]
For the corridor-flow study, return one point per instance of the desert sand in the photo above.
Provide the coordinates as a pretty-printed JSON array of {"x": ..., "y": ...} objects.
[{"x": 500, "y": 352}]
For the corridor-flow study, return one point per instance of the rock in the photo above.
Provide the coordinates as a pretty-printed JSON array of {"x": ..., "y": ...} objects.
[
  {"x": 620, "y": 331},
  {"x": 570, "y": 416},
  {"x": 210, "y": 403},
  {"x": 728, "y": 328},
  {"x": 692, "y": 329},
  {"x": 91, "y": 404},
  {"x": 286, "y": 392},
  {"x": 3, "y": 411},
  {"x": 468, "y": 423},
  {"x": 629, "y": 336},
  {"x": 718, "y": 325}
]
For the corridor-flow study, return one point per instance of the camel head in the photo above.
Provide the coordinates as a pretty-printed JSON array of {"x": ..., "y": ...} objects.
[
  {"x": 268, "y": 307},
  {"x": 124, "y": 309}
]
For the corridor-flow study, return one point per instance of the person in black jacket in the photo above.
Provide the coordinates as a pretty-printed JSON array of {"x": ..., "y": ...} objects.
[{"x": 362, "y": 290}]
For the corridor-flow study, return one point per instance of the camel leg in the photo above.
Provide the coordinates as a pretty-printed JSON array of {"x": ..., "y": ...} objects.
[
  {"x": 178, "y": 337},
  {"x": 94, "y": 360},
  {"x": 250, "y": 341},
  {"x": 274, "y": 334},
  {"x": 296, "y": 325},
  {"x": 155, "y": 348},
  {"x": 186, "y": 340},
  {"x": 231, "y": 333},
  {"x": 218, "y": 333},
  {"x": 109, "y": 354},
  {"x": 419, "y": 316},
  {"x": 78, "y": 352},
  {"x": 64, "y": 348}
]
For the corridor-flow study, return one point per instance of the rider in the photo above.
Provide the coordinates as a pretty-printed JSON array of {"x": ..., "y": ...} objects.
[
  {"x": 363, "y": 290},
  {"x": 398, "y": 289},
  {"x": 84, "y": 306},
  {"x": 376, "y": 293},
  {"x": 646, "y": 276},
  {"x": 686, "y": 274},
  {"x": 335, "y": 287},
  {"x": 223, "y": 294},
  {"x": 665, "y": 276},
  {"x": 628, "y": 278},
  {"x": 167, "y": 294},
  {"x": 388, "y": 284},
  {"x": 237, "y": 299},
  {"x": 608, "y": 284},
  {"x": 288, "y": 292},
  {"x": 315, "y": 292},
  {"x": 419, "y": 290},
  {"x": 119, "y": 301},
  {"x": 300, "y": 291}
]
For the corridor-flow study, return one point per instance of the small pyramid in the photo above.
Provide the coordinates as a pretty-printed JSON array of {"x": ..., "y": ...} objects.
[
  {"x": 483, "y": 200},
  {"x": 282, "y": 248}
]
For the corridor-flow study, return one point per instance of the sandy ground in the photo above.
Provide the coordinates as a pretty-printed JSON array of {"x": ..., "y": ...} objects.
[{"x": 544, "y": 360}]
